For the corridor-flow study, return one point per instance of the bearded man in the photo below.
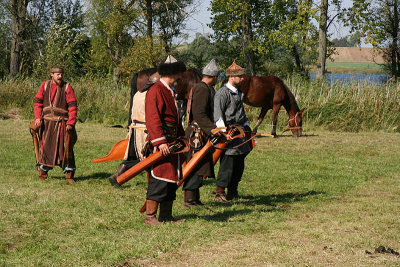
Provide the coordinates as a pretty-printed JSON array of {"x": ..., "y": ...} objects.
[
  {"x": 55, "y": 111},
  {"x": 229, "y": 110}
]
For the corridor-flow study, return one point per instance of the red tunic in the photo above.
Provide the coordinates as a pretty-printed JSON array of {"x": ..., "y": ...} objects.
[
  {"x": 71, "y": 99},
  {"x": 53, "y": 103},
  {"x": 160, "y": 109}
]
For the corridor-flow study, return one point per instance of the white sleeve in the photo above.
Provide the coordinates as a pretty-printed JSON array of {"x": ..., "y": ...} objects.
[{"x": 220, "y": 123}]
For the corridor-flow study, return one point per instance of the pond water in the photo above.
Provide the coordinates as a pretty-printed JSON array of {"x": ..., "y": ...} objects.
[{"x": 346, "y": 78}]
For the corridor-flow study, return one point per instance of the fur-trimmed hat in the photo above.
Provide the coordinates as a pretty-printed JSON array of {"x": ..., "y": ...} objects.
[
  {"x": 211, "y": 69},
  {"x": 235, "y": 70},
  {"x": 171, "y": 66}
]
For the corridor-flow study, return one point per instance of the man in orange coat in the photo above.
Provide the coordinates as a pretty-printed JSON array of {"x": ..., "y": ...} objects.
[
  {"x": 164, "y": 126},
  {"x": 55, "y": 111}
]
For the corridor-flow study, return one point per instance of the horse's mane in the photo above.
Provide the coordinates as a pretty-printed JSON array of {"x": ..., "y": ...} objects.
[{"x": 292, "y": 99}]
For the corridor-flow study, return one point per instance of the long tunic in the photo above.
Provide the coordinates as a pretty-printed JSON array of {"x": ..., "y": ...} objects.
[
  {"x": 57, "y": 106},
  {"x": 228, "y": 105},
  {"x": 161, "y": 110},
  {"x": 202, "y": 113}
]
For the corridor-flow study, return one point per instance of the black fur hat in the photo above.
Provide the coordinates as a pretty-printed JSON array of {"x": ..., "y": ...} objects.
[{"x": 171, "y": 66}]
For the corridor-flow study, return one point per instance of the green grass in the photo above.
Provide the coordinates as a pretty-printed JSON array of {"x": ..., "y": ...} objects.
[
  {"x": 354, "y": 68},
  {"x": 321, "y": 199}
]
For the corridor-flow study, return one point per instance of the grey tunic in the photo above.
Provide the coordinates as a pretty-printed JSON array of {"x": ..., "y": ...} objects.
[{"x": 229, "y": 107}]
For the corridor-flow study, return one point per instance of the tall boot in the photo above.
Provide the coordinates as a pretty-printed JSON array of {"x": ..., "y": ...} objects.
[
  {"x": 151, "y": 212},
  {"x": 70, "y": 177},
  {"x": 232, "y": 191},
  {"x": 166, "y": 212},
  {"x": 189, "y": 198},
  {"x": 197, "y": 197},
  {"x": 42, "y": 174},
  {"x": 220, "y": 194},
  {"x": 113, "y": 178}
]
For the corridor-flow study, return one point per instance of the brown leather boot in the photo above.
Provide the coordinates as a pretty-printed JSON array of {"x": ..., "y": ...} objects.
[
  {"x": 197, "y": 197},
  {"x": 113, "y": 178},
  {"x": 151, "y": 212},
  {"x": 70, "y": 177},
  {"x": 42, "y": 174},
  {"x": 166, "y": 212},
  {"x": 220, "y": 194},
  {"x": 189, "y": 198}
]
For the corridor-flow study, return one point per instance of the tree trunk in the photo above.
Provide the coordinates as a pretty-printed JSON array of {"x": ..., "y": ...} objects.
[
  {"x": 247, "y": 38},
  {"x": 149, "y": 28},
  {"x": 394, "y": 48},
  {"x": 18, "y": 16},
  {"x": 322, "y": 39}
]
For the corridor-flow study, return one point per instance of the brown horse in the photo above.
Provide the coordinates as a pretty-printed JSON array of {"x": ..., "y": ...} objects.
[
  {"x": 269, "y": 92},
  {"x": 145, "y": 78}
]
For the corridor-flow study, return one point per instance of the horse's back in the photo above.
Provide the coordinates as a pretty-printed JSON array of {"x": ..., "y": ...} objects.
[{"x": 263, "y": 91}]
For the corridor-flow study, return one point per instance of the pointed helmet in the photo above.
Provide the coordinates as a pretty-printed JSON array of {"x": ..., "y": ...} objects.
[
  {"x": 235, "y": 70},
  {"x": 211, "y": 69}
]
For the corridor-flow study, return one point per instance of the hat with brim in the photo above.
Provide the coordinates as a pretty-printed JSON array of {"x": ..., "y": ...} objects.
[
  {"x": 211, "y": 69},
  {"x": 171, "y": 66},
  {"x": 235, "y": 70}
]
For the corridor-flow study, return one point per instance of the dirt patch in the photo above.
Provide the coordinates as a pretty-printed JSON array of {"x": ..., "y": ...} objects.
[
  {"x": 357, "y": 54},
  {"x": 11, "y": 114}
]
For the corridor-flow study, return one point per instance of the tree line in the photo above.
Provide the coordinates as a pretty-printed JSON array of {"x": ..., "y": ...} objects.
[{"x": 115, "y": 38}]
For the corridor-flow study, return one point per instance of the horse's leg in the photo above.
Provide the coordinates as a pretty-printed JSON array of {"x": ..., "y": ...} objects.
[
  {"x": 275, "y": 111},
  {"x": 260, "y": 118}
]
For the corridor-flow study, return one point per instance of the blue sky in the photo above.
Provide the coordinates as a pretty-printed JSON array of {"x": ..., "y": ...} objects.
[{"x": 199, "y": 21}]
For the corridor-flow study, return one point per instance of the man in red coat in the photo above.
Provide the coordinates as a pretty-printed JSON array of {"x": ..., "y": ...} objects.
[
  {"x": 164, "y": 126},
  {"x": 55, "y": 111}
]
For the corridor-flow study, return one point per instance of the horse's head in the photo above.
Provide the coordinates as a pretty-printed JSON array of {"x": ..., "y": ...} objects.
[
  {"x": 185, "y": 82},
  {"x": 295, "y": 123}
]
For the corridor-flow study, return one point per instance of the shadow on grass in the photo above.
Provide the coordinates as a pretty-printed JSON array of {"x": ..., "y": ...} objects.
[
  {"x": 97, "y": 175},
  {"x": 273, "y": 203},
  {"x": 274, "y": 199}
]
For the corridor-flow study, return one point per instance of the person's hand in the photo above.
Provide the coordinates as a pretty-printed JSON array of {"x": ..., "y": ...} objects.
[
  {"x": 164, "y": 149},
  {"x": 69, "y": 127},
  {"x": 38, "y": 122}
]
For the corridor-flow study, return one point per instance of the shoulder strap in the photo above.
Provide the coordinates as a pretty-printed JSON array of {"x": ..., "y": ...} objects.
[
  {"x": 189, "y": 107},
  {"x": 66, "y": 87},
  {"x": 47, "y": 85}
]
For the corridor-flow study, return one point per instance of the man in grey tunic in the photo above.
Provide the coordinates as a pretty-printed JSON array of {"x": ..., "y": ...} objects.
[{"x": 229, "y": 110}]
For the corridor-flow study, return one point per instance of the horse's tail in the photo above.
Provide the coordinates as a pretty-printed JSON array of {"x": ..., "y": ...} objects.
[{"x": 133, "y": 92}]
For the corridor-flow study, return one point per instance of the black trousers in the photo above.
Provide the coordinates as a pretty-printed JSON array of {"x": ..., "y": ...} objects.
[
  {"x": 230, "y": 170},
  {"x": 193, "y": 182},
  {"x": 160, "y": 191}
]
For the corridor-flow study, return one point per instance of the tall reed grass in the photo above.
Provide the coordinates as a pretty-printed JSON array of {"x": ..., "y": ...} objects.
[{"x": 355, "y": 107}]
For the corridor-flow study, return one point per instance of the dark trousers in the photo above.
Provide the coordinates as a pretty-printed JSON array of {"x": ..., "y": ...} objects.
[
  {"x": 230, "y": 170},
  {"x": 160, "y": 191},
  {"x": 193, "y": 182}
]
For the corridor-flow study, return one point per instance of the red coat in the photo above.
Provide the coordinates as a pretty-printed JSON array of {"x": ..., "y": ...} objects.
[{"x": 160, "y": 108}]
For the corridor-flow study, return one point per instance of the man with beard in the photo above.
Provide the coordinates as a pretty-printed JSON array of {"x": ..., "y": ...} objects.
[
  {"x": 229, "y": 110},
  {"x": 163, "y": 126},
  {"x": 201, "y": 123},
  {"x": 55, "y": 111}
]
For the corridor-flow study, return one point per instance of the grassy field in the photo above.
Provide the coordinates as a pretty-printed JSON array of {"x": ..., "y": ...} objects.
[
  {"x": 327, "y": 198},
  {"x": 354, "y": 68}
]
